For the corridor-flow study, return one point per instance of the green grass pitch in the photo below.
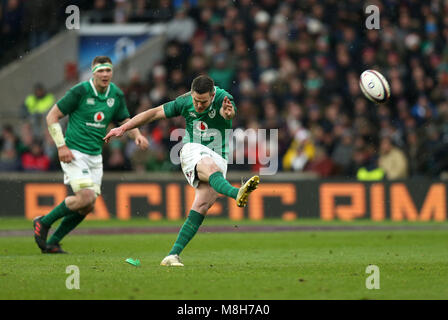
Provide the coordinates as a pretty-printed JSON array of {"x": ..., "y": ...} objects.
[{"x": 294, "y": 265}]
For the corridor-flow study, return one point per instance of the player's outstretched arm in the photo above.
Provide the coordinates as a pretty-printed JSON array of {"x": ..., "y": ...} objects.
[
  {"x": 137, "y": 121},
  {"x": 55, "y": 130}
]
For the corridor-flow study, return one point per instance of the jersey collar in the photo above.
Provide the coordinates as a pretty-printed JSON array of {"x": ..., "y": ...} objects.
[{"x": 94, "y": 89}]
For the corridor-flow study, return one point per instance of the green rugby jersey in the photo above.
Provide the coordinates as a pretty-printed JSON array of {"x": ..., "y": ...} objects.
[
  {"x": 208, "y": 128},
  {"x": 90, "y": 112}
]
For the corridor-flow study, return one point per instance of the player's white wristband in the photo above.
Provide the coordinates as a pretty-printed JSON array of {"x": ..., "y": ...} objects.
[{"x": 57, "y": 135}]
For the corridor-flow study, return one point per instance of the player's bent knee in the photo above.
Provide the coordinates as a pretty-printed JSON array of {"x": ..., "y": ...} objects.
[
  {"x": 87, "y": 198},
  {"x": 212, "y": 202},
  {"x": 85, "y": 211},
  {"x": 91, "y": 199},
  {"x": 201, "y": 207}
]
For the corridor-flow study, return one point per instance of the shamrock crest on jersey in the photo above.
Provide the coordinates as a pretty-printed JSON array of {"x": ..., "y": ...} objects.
[{"x": 110, "y": 102}]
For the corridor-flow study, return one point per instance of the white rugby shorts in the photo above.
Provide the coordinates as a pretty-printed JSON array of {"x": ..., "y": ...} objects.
[
  {"x": 191, "y": 153},
  {"x": 84, "y": 172}
]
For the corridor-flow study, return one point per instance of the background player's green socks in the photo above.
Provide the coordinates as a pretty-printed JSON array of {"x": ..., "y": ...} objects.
[
  {"x": 187, "y": 232},
  {"x": 68, "y": 224},
  {"x": 221, "y": 185},
  {"x": 58, "y": 212}
]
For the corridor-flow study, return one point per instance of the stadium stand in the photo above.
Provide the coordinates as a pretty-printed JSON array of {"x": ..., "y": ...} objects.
[{"x": 291, "y": 65}]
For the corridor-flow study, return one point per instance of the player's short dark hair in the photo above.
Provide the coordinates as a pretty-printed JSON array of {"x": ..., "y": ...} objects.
[
  {"x": 203, "y": 84},
  {"x": 101, "y": 59}
]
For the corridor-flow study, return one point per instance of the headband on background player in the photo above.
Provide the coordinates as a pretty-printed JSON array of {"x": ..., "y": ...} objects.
[{"x": 102, "y": 66}]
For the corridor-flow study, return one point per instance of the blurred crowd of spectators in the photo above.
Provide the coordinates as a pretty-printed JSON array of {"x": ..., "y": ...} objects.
[
  {"x": 25, "y": 24},
  {"x": 294, "y": 66}
]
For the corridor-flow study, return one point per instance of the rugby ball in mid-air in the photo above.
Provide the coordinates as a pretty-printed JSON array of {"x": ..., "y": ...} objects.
[{"x": 374, "y": 86}]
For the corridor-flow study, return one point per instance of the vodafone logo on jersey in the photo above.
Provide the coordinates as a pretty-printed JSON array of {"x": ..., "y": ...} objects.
[
  {"x": 201, "y": 126},
  {"x": 98, "y": 117}
]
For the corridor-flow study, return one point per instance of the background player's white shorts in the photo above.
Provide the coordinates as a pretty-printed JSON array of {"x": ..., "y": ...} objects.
[
  {"x": 84, "y": 172},
  {"x": 191, "y": 153}
]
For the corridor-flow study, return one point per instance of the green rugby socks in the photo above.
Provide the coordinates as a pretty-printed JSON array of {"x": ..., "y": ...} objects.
[
  {"x": 187, "y": 232},
  {"x": 58, "y": 212},
  {"x": 68, "y": 224},
  {"x": 221, "y": 185}
]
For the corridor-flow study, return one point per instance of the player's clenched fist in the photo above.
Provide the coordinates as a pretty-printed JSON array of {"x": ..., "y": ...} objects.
[
  {"x": 141, "y": 142},
  {"x": 227, "y": 108},
  {"x": 65, "y": 155},
  {"x": 115, "y": 132}
]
